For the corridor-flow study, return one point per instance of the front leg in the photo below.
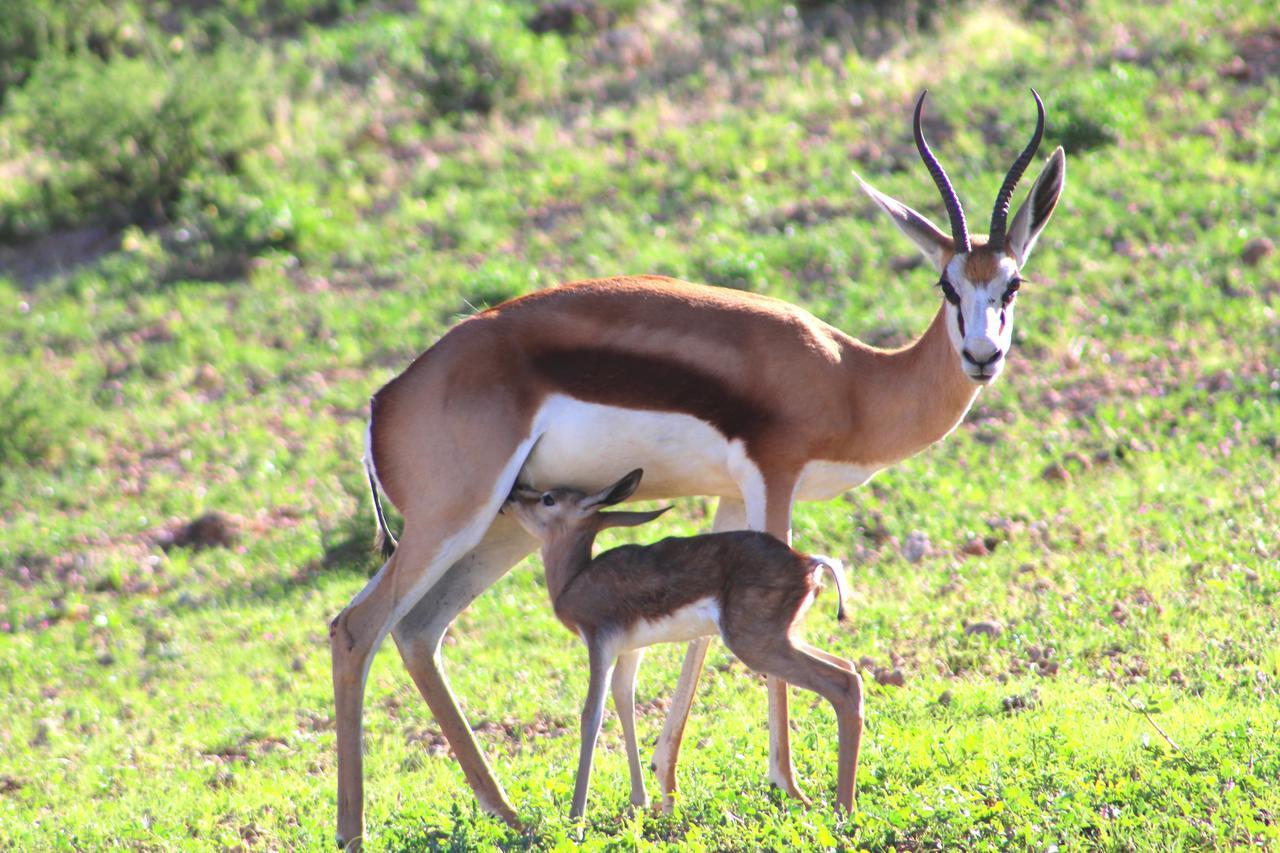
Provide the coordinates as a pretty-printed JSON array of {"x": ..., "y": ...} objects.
[
  {"x": 778, "y": 491},
  {"x": 624, "y": 702},
  {"x": 730, "y": 515},
  {"x": 602, "y": 661}
]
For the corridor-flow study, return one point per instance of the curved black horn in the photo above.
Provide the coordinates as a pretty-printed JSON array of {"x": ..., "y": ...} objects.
[
  {"x": 1000, "y": 214},
  {"x": 959, "y": 231}
]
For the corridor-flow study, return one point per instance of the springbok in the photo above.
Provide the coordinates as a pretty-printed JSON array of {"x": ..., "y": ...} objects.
[
  {"x": 746, "y": 585},
  {"x": 712, "y": 391}
]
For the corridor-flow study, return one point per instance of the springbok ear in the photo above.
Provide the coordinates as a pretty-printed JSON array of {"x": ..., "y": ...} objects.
[
  {"x": 628, "y": 519},
  {"x": 523, "y": 493},
  {"x": 1031, "y": 218},
  {"x": 618, "y": 492},
  {"x": 932, "y": 242}
]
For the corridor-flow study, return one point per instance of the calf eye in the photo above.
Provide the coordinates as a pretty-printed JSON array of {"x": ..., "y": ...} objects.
[{"x": 547, "y": 500}]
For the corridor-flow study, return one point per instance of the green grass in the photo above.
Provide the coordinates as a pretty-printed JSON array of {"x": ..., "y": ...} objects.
[{"x": 218, "y": 354}]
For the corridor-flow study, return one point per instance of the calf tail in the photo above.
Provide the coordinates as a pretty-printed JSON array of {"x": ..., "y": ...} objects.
[{"x": 836, "y": 568}]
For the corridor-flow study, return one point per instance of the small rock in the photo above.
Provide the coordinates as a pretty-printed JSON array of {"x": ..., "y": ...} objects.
[
  {"x": 892, "y": 677},
  {"x": 1047, "y": 668},
  {"x": 211, "y": 530},
  {"x": 867, "y": 664},
  {"x": 1119, "y": 612},
  {"x": 1020, "y": 702},
  {"x": 944, "y": 699},
  {"x": 1056, "y": 472},
  {"x": 975, "y": 547},
  {"x": 917, "y": 546},
  {"x": 987, "y": 629},
  {"x": 1256, "y": 249}
]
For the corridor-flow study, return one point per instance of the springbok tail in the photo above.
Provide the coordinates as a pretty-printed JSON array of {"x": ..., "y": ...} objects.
[
  {"x": 836, "y": 568},
  {"x": 383, "y": 542}
]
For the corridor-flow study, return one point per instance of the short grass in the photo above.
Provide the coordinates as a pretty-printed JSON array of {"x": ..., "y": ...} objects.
[{"x": 206, "y": 341}]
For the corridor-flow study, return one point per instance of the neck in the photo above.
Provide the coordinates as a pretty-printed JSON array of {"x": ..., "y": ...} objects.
[
  {"x": 564, "y": 557},
  {"x": 909, "y": 398}
]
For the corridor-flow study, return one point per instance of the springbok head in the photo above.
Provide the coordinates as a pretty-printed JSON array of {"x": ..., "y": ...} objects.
[
  {"x": 561, "y": 512},
  {"x": 980, "y": 276}
]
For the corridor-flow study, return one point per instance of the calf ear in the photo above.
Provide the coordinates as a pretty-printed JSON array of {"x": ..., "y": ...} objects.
[
  {"x": 1034, "y": 214},
  {"x": 617, "y": 493},
  {"x": 628, "y": 519}
]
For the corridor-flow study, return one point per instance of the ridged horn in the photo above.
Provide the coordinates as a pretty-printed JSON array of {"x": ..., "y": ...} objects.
[
  {"x": 959, "y": 230},
  {"x": 1000, "y": 214}
]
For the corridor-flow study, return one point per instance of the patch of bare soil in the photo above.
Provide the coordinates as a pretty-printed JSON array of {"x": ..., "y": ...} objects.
[
  {"x": 1257, "y": 57},
  {"x": 56, "y": 254},
  {"x": 509, "y": 733},
  {"x": 211, "y": 530}
]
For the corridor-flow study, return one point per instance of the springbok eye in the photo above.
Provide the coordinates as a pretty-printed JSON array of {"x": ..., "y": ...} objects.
[
  {"x": 1010, "y": 291},
  {"x": 547, "y": 500},
  {"x": 949, "y": 292}
]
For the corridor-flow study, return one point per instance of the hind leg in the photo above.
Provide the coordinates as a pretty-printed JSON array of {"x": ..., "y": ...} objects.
[
  {"x": 418, "y": 637},
  {"x": 354, "y": 636},
  {"x": 839, "y": 684}
]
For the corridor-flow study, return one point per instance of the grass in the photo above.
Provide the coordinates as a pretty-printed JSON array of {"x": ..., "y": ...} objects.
[{"x": 217, "y": 356}]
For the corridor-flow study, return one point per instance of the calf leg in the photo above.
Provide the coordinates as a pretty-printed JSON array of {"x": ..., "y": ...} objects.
[
  {"x": 592, "y": 716},
  {"x": 838, "y": 683},
  {"x": 624, "y": 702}
]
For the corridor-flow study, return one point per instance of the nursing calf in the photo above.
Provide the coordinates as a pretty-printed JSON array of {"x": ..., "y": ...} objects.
[{"x": 748, "y": 586}]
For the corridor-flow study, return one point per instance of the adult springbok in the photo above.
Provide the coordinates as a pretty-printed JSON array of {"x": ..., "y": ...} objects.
[{"x": 711, "y": 391}]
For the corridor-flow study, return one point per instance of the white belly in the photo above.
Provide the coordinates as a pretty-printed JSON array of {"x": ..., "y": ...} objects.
[
  {"x": 822, "y": 480},
  {"x": 699, "y": 619},
  {"x": 588, "y": 446}
]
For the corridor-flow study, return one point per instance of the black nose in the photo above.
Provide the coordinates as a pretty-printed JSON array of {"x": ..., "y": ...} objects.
[{"x": 992, "y": 359}]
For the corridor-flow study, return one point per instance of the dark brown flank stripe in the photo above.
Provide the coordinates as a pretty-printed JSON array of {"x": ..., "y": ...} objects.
[{"x": 650, "y": 382}]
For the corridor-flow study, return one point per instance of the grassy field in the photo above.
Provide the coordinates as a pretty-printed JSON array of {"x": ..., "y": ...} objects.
[{"x": 224, "y": 228}]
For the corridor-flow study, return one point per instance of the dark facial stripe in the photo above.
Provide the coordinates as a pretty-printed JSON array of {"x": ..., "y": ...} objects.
[{"x": 653, "y": 383}]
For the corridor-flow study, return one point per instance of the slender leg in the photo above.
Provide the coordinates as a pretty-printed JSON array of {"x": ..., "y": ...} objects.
[
  {"x": 592, "y": 716},
  {"x": 418, "y": 637},
  {"x": 782, "y": 771},
  {"x": 354, "y": 636},
  {"x": 624, "y": 702},
  {"x": 839, "y": 684},
  {"x": 731, "y": 514}
]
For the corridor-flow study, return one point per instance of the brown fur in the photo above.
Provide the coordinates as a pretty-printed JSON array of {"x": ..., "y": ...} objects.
[
  {"x": 743, "y": 568},
  {"x": 794, "y": 388},
  {"x": 982, "y": 265},
  {"x": 760, "y": 585}
]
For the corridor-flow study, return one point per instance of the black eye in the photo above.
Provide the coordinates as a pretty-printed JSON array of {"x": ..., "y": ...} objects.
[
  {"x": 1011, "y": 291},
  {"x": 949, "y": 292},
  {"x": 547, "y": 500}
]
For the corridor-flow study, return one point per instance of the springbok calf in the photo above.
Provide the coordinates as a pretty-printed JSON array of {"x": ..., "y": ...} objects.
[
  {"x": 712, "y": 391},
  {"x": 748, "y": 586}
]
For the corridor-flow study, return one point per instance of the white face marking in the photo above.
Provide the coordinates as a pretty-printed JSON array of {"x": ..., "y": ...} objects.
[
  {"x": 699, "y": 619},
  {"x": 587, "y": 446},
  {"x": 988, "y": 323},
  {"x": 822, "y": 480}
]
